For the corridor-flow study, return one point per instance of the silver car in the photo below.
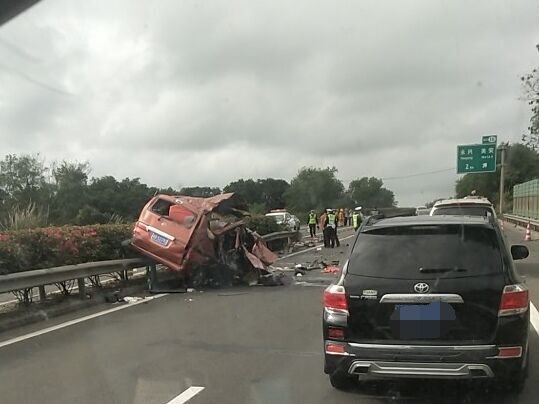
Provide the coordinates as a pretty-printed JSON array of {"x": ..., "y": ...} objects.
[{"x": 289, "y": 221}]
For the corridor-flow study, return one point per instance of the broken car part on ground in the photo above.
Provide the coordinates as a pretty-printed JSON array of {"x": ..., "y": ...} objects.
[{"x": 205, "y": 240}]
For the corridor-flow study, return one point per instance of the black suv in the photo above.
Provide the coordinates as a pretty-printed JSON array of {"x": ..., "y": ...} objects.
[{"x": 428, "y": 297}]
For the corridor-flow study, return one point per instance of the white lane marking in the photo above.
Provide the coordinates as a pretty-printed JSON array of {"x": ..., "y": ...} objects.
[
  {"x": 534, "y": 317},
  {"x": 186, "y": 395},
  {"x": 310, "y": 248},
  {"x": 76, "y": 321}
]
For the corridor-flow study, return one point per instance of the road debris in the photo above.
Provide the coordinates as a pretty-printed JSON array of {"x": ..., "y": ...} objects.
[
  {"x": 300, "y": 272},
  {"x": 132, "y": 299},
  {"x": 205, "y": 240},
  {"x": 275, "y": 278},
  {"x": 114, "y": 297},
  {"x": 330, "y": 269}
]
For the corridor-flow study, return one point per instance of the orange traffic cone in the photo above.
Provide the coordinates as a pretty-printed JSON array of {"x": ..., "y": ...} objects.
[
  {"x": 528, "y": 233},
  {"x": 501, "y": 225}
]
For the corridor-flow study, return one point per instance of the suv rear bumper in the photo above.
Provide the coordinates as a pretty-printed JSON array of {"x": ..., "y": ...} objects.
[
  {"x": 413, "y": 361},
  {"x": 418, "y": 370}
]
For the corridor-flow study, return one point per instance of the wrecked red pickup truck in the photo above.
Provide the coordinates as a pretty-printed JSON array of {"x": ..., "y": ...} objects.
[{"x": 205, "y": 239}]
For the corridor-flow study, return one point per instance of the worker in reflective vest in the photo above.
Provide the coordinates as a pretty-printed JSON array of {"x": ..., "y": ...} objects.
[
  {"x": 313, "y": 221},
  {"x": 356, "y": 218},
  {"x": 331, "y": 228}
]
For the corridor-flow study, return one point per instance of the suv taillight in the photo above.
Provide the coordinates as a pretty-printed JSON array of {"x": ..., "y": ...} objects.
[
  {"x": 514, "y": 300},
  {"x": 334, "y": 298}
]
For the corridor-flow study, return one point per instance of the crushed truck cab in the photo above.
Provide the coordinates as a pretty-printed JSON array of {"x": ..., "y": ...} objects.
[{"x": 183, "y": 233}]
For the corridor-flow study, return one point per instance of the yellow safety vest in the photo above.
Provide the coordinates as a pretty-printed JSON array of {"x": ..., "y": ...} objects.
[
  {"x": 355, "y": 220},
  {"x": 312, "y": 218},
  {"x": 331, "y": 220}
]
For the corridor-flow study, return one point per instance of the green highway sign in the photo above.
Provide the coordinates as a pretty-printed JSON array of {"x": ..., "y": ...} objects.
[
  {"x": 490, "y": 139},
  {"x": 476, "y": 158}
]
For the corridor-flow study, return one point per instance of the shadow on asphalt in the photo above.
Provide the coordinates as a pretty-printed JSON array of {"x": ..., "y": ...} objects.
[
  {"x": 432, "y": 391},
  {"x": 445, "y": 391},
  {"x": 528, "y": 269}
]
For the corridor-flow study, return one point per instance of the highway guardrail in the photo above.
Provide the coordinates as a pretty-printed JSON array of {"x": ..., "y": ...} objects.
[
  {"x": 522, "y": 221},
  {"x": 48, "y": 276},
  {"x": 279, "y": 235}
]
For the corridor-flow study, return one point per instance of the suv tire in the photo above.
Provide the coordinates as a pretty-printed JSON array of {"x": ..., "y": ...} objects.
[
  {"x": 515, "y": 384},
  {"x": 341, "y": 381}
]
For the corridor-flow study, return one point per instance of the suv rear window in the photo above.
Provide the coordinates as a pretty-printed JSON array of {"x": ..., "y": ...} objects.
[
  {"x": 462, "y": 210},
  {"x": 426, "y": 252}
]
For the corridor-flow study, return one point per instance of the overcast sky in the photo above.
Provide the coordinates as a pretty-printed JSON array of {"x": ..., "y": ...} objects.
[{"x": 201, "y": 92}]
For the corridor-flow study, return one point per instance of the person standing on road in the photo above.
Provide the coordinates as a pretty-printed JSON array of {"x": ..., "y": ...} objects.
[
  {"x": 322, "y": 222},
  {"x": 337, "y": 224},
  {"x": 313, "y": 222},
  {"x": 356, "y": 218},
  {"x": 330, "y": 227}
]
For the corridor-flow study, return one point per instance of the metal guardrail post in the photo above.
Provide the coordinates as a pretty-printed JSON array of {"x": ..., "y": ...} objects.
[
  {"x": 82, "y": 287},
  {"x": 152, "y": 276},
  {"x": 42, "y": 293}
]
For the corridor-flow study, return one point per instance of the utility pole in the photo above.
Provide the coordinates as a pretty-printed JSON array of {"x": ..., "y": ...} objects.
[{"x": 502, "y": 177}]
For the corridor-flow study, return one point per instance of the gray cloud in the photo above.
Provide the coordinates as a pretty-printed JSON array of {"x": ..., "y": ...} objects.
[{"x": 203, "y": 92}]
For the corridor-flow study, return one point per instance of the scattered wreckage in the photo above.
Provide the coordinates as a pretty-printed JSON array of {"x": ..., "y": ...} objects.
[{"x": 205, "y": 240}]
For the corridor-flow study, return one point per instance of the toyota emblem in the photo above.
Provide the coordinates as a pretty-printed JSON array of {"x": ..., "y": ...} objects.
[{"x": 421, "y": 287}]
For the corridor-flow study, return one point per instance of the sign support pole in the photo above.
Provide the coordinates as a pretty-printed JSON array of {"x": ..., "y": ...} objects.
[{"x": 502, "y": 177}]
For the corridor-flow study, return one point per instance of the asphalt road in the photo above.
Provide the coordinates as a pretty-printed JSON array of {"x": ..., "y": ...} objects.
[{"x": 247, "y": 345}]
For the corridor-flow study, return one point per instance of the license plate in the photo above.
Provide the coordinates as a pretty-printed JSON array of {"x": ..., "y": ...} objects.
[
  {"x": 412, "y": 321},
  {"x": 159, "y": 239}
]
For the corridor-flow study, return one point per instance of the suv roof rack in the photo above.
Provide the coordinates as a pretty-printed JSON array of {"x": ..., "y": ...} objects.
[
  {"x": 491, "y": 219},
  {"x": 379, "y": 216}
]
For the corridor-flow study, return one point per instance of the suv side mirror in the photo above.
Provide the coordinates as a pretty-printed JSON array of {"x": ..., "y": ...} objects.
[{"x": 519, "y": 252}]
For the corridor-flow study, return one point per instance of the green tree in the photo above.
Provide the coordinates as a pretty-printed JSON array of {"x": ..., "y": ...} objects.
[
  {"x": 166, "y": 191},
  {"x": 23, "y": 182},
  {"x": 530, "y": 82},
  {"x": 370, "y": 192},
  {"x": 121, "y": 198},
  {"x": 261, "y": 195},
  {"x": 248, "y": 190},
  {"x": 314, "y": 188},
  {"x": 271, "y": 193},
  {"x": 201, "y": 192},
  {"x": 71, "y": 191},
  {"x": 89, "y": 215}
]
